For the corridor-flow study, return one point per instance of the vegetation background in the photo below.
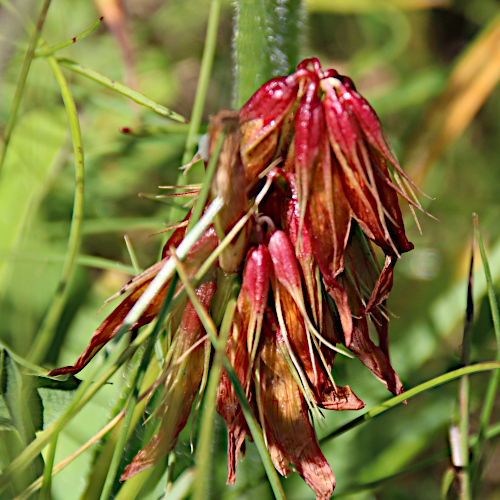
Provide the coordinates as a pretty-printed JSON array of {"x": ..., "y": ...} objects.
[{"x": 430, "y": 69}]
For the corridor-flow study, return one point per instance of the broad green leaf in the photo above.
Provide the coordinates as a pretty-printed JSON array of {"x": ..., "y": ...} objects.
[
  {"x": 35, "y": 143},
  {"x": 55, "y": 400},
  {"x": 31, "y": 160},
  {"x": 21, "y": 413}
]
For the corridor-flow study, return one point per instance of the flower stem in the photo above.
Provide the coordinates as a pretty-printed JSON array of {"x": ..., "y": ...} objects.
[{"x": 266, "y": 43}]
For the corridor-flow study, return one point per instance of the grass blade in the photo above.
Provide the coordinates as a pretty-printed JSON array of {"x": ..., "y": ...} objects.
[
  {"x": 4, "y": 141},
  {"x": 204, "y": 445},
  {"x": 121, "y": 89},
  {"x": 430, "y": 384},
  {"x": 493, "y": 383},
  {"x": 46, "y": 335},
  {"x": 205, "y": 71},
  {"x": 48, "y": 51},
  {"x": 459, "y": 429}
]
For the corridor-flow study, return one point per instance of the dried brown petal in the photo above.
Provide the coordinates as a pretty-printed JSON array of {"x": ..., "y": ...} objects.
[
  {"x": 229, "y": 183},
  {"x": 371, "y": 355},
  {"x": 181, "y": 388},
  {"x": 289, "y": 433},
  {"x": 339, "y": 398},
  {"x": 112, "y": 324}
]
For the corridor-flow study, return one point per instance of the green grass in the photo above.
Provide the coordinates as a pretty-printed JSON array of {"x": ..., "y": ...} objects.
[{"x": 62, "y": 251}]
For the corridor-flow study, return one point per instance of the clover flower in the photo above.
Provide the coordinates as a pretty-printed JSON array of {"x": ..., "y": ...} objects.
[{"x": 307, "y": 165}]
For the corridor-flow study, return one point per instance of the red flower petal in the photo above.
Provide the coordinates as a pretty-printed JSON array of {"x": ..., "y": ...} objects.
[
  {"x": 269, "y": 105},
  {"x": 309, "y": 133},
  {"x": 285, "y": 263}
]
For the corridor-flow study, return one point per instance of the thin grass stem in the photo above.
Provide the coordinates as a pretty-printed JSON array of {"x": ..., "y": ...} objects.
[
  {"x": 121, "y": 89},
  {"x": 48, "y": 51},
  {"x": 137, "y": 379},
  {"x": 9, "y": 127},
  {"x": 46, "y": 335},
  {"x": 492, "y": 388},
  {"x": 396, "y": 400},
  {"x": 81, "y": 260},
  {"x": 205, "y": 72},
  {"x": 204, "y": 445},
  {"x": 205, "y": 190},
  {"x": 133, "y": 256},
  {"x": 459, "y": 429}
]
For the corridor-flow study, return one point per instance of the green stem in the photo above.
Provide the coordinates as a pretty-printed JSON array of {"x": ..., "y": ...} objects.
[
  {"x": 396, "y": 400},
  {"x": 81, "y": 260},
  {"x": 138, "y": 378},
  {"x": 45, "y": 337},
  {"x": 45, "y": 491},
  {"x": 207, "y": 181},
  {"x": 133, "y": 256},
  {"x": 48, "y": 51},
  {"x": 4, "y": 141},
  {"x": 204, "y": 446},
  {"x": 121, "y": 89},
  {"x": 493, "y": 383},
  {"x": 459, "y": 430},
  {"x": 205, "y": 71},
  {"x": 266, "y": 43}
]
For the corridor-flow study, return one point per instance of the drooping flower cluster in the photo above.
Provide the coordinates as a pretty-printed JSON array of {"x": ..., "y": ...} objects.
[{"x": 306, "y": 162}]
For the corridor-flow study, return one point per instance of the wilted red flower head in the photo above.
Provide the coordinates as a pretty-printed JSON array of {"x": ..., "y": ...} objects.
[{"x": 308, "y": 179}]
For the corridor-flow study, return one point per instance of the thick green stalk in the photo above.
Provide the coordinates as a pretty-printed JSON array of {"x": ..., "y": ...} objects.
[{"x": 266, "y": 43}]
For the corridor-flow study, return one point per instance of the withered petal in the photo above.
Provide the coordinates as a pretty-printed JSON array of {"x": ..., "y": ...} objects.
[
  {"x": 174, "y": 418},
  {"x": 182, "y": 387},
  {"x": 373, "y": 357},
  {"x": 287, "y": 426},
  {"x": 339, "y": 399},
  {"x": 383, "y": 286},
  {"x": 111, "y": 325}
]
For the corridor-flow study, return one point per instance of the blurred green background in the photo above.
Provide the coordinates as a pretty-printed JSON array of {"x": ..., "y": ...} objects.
[{"x": 429, "y": 68}]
